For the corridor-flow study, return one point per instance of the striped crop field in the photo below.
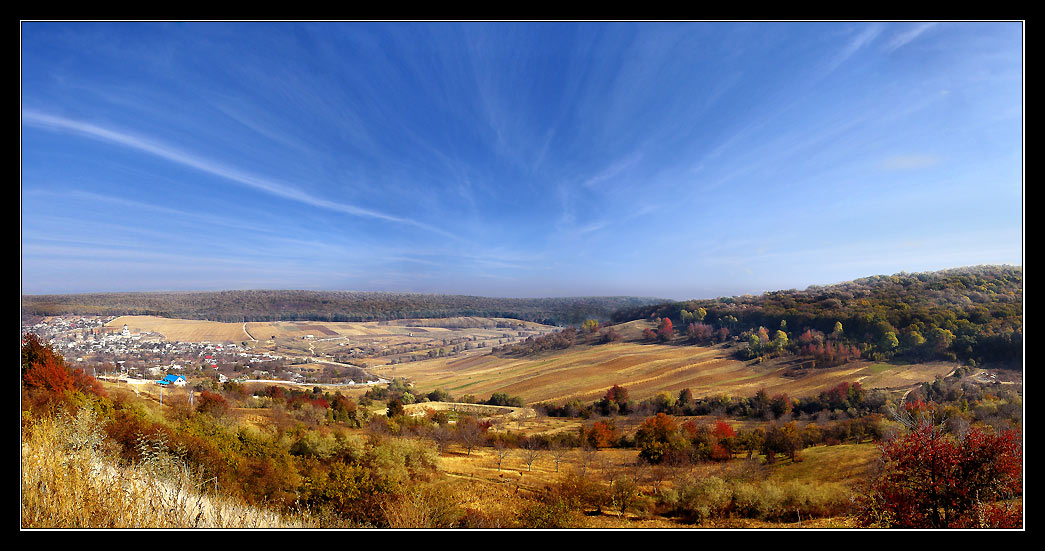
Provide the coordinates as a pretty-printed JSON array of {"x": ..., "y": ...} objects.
[{"x": 585, "y": 373}]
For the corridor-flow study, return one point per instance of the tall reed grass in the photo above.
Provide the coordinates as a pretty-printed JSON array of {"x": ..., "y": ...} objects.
[{"x": 71, "y": 478}]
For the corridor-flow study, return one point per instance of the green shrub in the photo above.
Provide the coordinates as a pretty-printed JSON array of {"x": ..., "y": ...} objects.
[
  {"x": 403, "y": 459},
  {"x": 760, "y": 500},
  {"x": 548, "y": 513},
  {"x": 703, "y": 499}
]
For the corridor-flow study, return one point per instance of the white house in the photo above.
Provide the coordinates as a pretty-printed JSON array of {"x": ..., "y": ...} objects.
[{"x": 176, "y": 380}]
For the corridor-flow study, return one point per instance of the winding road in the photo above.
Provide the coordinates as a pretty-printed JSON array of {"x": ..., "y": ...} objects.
[{"x": 248, "y": 332}]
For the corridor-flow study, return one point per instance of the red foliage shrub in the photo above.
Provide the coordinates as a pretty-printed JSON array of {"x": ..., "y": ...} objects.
[
  {"x": 723, "y": 430},
  {"x": 602, "y": 434},
  {"x": 49, "y": 374},
  {"x": 719, "y": 453},
  {"x": 933, "y": 480},
  {"x": 87, "y": 384},
  {"x": 665, "y": 331},
  {"x": 212, "y": 403},
  {"x": 919, "y": 406}
]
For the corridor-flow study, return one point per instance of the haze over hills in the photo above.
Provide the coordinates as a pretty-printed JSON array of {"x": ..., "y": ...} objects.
[{"x": 962, "y": 313}]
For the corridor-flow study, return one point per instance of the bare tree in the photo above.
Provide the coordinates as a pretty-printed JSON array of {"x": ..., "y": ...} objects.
[
  {"x": 470, "y": 433},
  {"x": 587, "y": 457},
  {"x": 502, "y": 450},
  {"x": 558, "y": 450},
  {"x": 442, "y": 436},
  {"x": 532, "y": 448},
  {"x": 678, "y": 463}
]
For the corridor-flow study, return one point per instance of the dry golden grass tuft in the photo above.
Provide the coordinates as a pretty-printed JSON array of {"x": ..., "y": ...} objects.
[{"x": 71, "y": 479}]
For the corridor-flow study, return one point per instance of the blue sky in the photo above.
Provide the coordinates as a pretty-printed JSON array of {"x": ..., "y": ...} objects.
[{"x": 676, "y": 160}]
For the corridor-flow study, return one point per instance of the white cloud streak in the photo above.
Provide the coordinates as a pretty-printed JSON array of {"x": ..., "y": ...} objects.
[
  {"x": 856, "y": 44},
  {"x": 900, "y": 40},
  {"x": 52, "y": 122},
  {"x": 908, "y": 162}
]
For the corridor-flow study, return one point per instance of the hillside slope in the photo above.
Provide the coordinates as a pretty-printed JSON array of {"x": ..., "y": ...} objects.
[{"x": 972, "y": 313}]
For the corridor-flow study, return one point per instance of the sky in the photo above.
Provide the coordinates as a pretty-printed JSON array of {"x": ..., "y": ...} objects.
[{"x": 671, "y": 160}]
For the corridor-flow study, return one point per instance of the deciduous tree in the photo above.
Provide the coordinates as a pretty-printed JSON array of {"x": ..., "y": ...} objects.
[{"x": 931, "y": 479}]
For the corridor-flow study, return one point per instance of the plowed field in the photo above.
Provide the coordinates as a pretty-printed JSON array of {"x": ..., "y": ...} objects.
[{"x": 585, "y": 373}]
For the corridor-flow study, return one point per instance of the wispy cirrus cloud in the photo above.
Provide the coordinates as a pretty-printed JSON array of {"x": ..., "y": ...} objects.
[
  {"x": 854, "y": 45},
  {"x": 53, "y": 122},
  {"x": 908, "y": 162},
  {"x": 901, "y": 39},
  {"x": 613, "y": 170}
]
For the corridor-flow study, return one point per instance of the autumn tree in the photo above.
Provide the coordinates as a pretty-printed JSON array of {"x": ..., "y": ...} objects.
[
  {"x": 726, "y": 436},
  {"x": 212, "y": 403},
  {"x": 931, "y": 479},
  {"x": 442, "y": 435},
  {"x": 783, "y": 439},
  {"x": 610, "y": 335},
  {"x": 615, "y": 401},
  {"x": 602, "y": 434},
  {"x": 685, "y": 398},
  {"x": 43, "y": 367},
  {"x": 50, "y": 374},
  {"x": 781, "y": 404},
  {"x": 559, "y": 450},
  {"x": 395, "y": 408},
  {"x": 657, "y": 436},
  {"x": 471, "y": 433},
  {"x": 699, "y": 332},
  {"x": 623, "y": 493},
  {"x": 665, "y": 331}
]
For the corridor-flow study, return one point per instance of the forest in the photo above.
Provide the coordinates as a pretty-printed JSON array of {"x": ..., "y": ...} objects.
[
  {"x": 972, "y": 314},
  {"x": 285, "y": 305}
]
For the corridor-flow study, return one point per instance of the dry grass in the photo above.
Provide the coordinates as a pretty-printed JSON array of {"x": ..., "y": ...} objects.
[
  {"x": 844, "y": 463},
  {"x": 70, "y": 479}
]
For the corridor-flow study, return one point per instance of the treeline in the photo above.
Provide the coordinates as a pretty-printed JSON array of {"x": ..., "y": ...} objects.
[
  {"x": 557, "y": 340},
  {"x": 972, "y": 314},
  {"x": 844, "y": 400},
  {"x": 590, "y": 332},
  {"x": 275, "y": 305}
]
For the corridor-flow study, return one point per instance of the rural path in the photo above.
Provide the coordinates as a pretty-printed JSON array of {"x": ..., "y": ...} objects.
[
  {"x": 332, "y": 362},
  {"x": 903, "y": 399},
  {"x": 248, "y": 332}
]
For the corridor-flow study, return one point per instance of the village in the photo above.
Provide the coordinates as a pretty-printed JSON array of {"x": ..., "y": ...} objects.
[{"x": 117, "y": 353}]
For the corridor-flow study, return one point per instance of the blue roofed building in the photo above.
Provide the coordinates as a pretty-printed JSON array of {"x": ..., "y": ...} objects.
[{"x": 176, "y": 380}]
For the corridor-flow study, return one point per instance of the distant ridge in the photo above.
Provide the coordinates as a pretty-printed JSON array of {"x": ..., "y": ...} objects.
[
  {"x": 272, "y": 305},
  {"x": 974, "y": 312}
]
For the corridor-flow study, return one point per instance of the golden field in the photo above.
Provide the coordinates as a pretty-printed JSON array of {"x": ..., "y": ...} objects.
[
  {"x": 582, "y": 372},
  {"x": 181, "y": 329},
  {"x": 380, "y": 340},
  {"x": 586, "y": 372}
]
